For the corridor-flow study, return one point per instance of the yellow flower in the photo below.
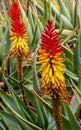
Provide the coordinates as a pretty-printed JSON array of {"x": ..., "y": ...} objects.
[
  {"x": 19, "y": 47},
  {"x": 52, "y": 67}
]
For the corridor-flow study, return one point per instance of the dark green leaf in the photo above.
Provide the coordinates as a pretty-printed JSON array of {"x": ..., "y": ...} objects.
[
  {"x": 73, "y": 121},
  {"x": 66, "y": 123}
]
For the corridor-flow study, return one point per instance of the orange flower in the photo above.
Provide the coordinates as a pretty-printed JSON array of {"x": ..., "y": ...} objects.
[{"x": 52, "y": 67}]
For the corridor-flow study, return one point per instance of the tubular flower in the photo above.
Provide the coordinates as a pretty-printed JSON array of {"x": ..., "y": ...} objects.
[
  {"x": 19, "y": 47},
  {"x": 52, "y": 67}
]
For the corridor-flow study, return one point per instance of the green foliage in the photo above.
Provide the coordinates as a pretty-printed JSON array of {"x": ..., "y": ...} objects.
[
  {"x": 73, "y": 121},
  {"x": 37, "y": 115}
]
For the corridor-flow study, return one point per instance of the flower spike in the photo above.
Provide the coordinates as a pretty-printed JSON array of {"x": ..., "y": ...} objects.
[
  {"x": 18, "y": 27},
  {"x": 19, "y": 37},
  {"x": 15, "y": 12},
  {"x": 50, "y": 41},
  {"x": 52, "y": 67}
]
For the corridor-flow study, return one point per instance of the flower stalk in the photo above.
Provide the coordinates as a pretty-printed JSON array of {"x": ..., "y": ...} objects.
[
  {"x": 19, "y": 47},
  {"x": 57, "y": 110},
  {"x": 53, "y": 84},
  {"x": 20, "y": 76}
]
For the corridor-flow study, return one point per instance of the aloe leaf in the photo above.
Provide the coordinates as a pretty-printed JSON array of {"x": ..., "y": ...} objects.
[
  {"x": 30, "y": 32},
  {"x": 76, "y": 60},
  {"x": 9, "y": 120},
  {"x": 17, "y": 122},
  {"x": 1, "y": 17},
  {"x": 72, "y": 75},
  {"x": 2, "y": 52},
  {"x": 71, "y": 9},
  {"x": 24, "y": 17},
  {"x": 69, "y": 54},
  {"x": 65, "y": 21},
  {"x": 23, "y": 126},
  {"x": 39, "y": 8},
  {"x": 13, "y": 122},
  {"x": 79, "y": 57},
  {"x": 5, "y": 39},
  {"x": 36, "y": 18},
  {"x": 32, "y": 98},
  {"x": 19, "y": 102},
  {"x": 64, "y": 9},
  {"x": 75, "y": 103},
  {"x": 66, "y": 123},
  {"x": 35, "y": 81},
  {"x": 1, "y": 128},
  {"x": 34, "y": 101},
  {"x": 70, "y": 36},
  {"x": 33, "y": 43},
  {"x": 48, "y": 106},
  {"x": 9, "y": 103},
  {"x": 78, "y": 11},
  {"x": 73, "y": 121},
  {"x": 28, "y": 75},
  {"x": 75, "y": 87},
  {"x": 45, "y": 115},
  {"x": 51, "y": 125},
  {"x": 76, "y": 107},
  {"x": 45, "y": 14},
  {"x": 30, "y": 19},
  {"x": 66, "y": 32}
]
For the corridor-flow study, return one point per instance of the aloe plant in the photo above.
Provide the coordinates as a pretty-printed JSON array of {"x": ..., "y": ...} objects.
[{"x": 36, "y": 114}]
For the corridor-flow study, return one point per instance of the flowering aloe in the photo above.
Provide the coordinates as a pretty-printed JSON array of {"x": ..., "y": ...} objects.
[
  {"x": 52, "y": 70},
  {"x": 52, "y": 67},
  {"x": 18, "y": 36}
]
